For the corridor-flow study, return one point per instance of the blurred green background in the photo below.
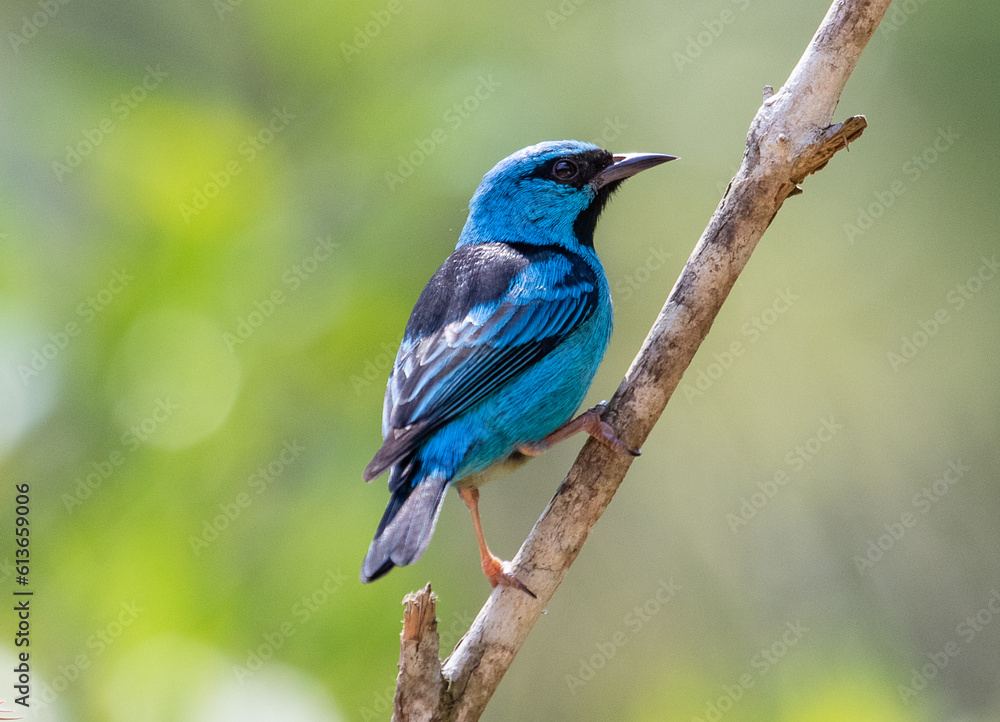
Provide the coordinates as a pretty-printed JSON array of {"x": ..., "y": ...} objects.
[{"x": 214, "y": 220}]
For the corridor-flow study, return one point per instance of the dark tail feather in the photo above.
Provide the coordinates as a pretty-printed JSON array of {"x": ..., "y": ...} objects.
[{"x": 406, "y": 527}]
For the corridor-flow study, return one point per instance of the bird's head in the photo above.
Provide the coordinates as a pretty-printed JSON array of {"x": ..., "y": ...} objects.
[{"x": 550, "y": 193}]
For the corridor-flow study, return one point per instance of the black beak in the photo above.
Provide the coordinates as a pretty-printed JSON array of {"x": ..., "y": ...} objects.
[{"x": 627, "y": 165}]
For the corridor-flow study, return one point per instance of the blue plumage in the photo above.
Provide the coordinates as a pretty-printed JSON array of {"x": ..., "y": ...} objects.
[{"x": 502, "y": 344}]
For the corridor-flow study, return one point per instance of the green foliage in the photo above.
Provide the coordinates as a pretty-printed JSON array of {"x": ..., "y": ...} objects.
[{"x": 214, "y": 219}]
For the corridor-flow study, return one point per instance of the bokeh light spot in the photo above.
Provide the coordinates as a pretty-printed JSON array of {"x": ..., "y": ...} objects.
[{"x": 173, "y": 380}]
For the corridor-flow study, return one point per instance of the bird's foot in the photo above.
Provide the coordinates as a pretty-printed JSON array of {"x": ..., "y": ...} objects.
[
  {"x": 602, "y": 431},
  {"x": 589, "y": 421},
  {"x": 498, "y": 572}
]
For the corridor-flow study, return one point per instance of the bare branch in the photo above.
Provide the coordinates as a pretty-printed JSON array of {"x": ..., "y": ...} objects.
[
  {"x": 419, "y": 684},
  {"x": 790, "y": 137}
]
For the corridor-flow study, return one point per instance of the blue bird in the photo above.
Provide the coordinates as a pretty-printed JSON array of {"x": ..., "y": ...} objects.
[{"x": 501, "y": 346}]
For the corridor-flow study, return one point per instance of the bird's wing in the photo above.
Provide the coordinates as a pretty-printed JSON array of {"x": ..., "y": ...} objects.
[{"x": 488, "y": 314}]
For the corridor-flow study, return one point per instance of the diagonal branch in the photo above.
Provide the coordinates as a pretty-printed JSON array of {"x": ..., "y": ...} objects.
[{"x": 790, "y": 137}]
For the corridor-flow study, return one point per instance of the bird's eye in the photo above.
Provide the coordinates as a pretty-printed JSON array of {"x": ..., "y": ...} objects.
[{"x": 564, "y": 170}]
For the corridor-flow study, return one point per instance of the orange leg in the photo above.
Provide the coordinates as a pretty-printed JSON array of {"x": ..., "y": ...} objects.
[
  {"x": 589, "y": 421},
  {"x": 493, "y": 568}
]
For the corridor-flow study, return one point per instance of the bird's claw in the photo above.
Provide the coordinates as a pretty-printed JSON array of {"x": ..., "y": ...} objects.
[
  {"x": 611, "y": 439},
  {"x": 608, "y": 436},
  {"x": 501, "y": 574}
]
